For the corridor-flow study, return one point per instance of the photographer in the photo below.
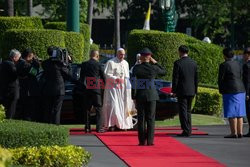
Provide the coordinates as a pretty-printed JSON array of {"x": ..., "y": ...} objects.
[
  {"x": 28, "y": 104},
  {"x": 55, "y": 72}
]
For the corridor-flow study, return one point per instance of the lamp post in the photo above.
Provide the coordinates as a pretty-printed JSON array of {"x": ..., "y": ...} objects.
[
  {"x": 73, "y": 17},
  {"x": 170, "y": 14}
]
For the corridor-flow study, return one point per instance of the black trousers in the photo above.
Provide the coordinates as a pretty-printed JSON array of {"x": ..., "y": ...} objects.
[
  {"x": 52, "y": 109},
  {"x": 9, "y": 104},
  {"x": 248, "y": 112},
  {"x": 29, "y": 108},
  {"x": 184, "y": 104},
  {"x": 146, "y": 121},
  {"x": 95, "y": 100}
]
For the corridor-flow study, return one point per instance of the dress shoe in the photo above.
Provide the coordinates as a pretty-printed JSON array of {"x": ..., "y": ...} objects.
[
  {"x": 239, "y": 135},
  {"x": 183, "y": 135},
  {"x": 112, "y": 128},
  {"x": 141, "y": 144},
  {"x": 247, "y": 135},
  {"x": 150, "y": 144},
  {"x": 87, "y": 130},
  {"x": 101, "y": 131},
  {"x": 231, "y": 136}
]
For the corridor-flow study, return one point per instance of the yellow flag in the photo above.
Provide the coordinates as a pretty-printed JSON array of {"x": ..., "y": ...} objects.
[{"x": 147, "y": 20}]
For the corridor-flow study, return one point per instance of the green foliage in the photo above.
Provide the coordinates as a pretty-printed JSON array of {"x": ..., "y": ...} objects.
[
  {"x": 213, "y": 18},
  {"x": 40, "y": 40},
  {"x": 7, "y": 23},
  {"x": 22, "y": 133},
  {"x": 2, "y": 113},
  {"x": 84, "y": 29},
  {"x": 94, "y": 47},
  {"x": 5, "y": 157},
  {"x": 165, "y": 49},
  {"x": 74, "y": 42},
  {"x": 208, "y": 102},
  {"x": 68, "y": 156}
]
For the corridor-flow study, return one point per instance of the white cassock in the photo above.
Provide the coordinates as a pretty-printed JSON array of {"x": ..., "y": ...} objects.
[{"x": 117, "y": 103}]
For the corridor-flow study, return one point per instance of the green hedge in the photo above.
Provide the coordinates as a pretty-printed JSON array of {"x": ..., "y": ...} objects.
[
  {"x": 74, "y": 42},
  {"x": 165, "y": 49},
  {"x": 208, "y": 102},
  {"x": 5, "y": 157},
  {"x": 54, "y": 156},
  {"x": 16, "y": 133},
  {"x": 7, "y": 23},
  {"x": 40, "y": 40},
  {"x": 94, "y": 47},
  {"x": 84, "y": 29},
  {"x": 2, "y": 113}
]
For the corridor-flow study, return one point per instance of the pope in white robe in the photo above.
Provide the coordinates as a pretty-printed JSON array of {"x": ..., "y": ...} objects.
[{"x": 118, "y": 105}]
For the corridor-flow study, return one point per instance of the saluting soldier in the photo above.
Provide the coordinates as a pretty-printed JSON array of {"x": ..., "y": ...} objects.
[{"x": 145, "y": 95}]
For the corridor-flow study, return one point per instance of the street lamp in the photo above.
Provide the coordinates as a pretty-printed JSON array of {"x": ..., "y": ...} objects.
[
  {"x": 165, "y": 4},
  {"x": 170, "y": 14}
]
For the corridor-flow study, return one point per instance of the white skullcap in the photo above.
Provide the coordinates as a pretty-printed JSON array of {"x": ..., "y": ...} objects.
[{"x": 120, "y": 49}]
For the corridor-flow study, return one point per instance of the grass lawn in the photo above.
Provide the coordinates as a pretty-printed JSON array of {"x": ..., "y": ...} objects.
[{"x": 197, "y": 119}]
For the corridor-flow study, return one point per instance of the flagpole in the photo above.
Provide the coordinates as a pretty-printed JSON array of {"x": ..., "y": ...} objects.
[{"x": 147, "y": 19}]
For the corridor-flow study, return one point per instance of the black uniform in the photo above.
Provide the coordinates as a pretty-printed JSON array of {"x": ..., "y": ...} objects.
[
  {"x": 53, "y": 89},
  {"x": 29, "y": 107},
  {"x": 91, "y": 76},
  {"x": 9, "y": 87},
  {"x": 146, "y": 95},
  {"x": 184, "y": 85},
  {"x": 246, "y": 81}
]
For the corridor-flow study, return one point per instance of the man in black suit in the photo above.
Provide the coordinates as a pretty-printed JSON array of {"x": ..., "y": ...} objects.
[
  {"x": 9, "y": 84},
  {"x": 92, "y": 79},
  {"x": 145, "y": 94},
  {"x": 246, "y": 81},
  {"x": 53, "y": 89},
  {"x": 184, "y": 86}
]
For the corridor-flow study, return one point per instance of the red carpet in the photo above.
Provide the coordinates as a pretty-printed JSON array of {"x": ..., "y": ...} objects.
[
  {"x": 163, "y": 130},
  {"x": 167, "y": 152}
]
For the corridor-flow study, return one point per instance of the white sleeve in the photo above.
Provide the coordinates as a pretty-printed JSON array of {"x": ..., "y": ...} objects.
[{"x": 108, "y": 71}]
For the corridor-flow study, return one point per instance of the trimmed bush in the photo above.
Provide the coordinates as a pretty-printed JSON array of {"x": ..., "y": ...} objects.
[
  {"x": 208, "y": 102},
  {"x": 94, "y": 47},
  {"x": 164, "y": 46},
  {"x": 7, "y": 23},
  {"x": 5, "y": 157},
  {"x": 16, "y": 133},
  {"x": 2, "y": 113},
  {"x": 40, "y": 40},
  {"x": 68, "y": 156},
  {"x": 74, "y": 42},
  {"x": 84, "y": 29}
]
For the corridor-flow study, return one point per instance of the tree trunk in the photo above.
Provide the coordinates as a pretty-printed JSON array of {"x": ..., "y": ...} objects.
[
  {"x": 9, "y": 7},
  {"x": 90, "y": 14},
  {"x": 117, "y": 25},
  {"x": 29, "y": 7}
]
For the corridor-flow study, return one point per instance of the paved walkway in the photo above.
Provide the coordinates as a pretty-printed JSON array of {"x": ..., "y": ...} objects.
[{"x": 231, "y": 152}]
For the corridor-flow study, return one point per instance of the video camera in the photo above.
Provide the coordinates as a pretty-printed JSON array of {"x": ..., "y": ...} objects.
[{"x": 60, "y": 54}]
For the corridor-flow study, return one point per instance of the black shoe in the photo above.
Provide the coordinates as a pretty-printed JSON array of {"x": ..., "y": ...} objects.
[
  {"x": 239, "y": 135},
  {"x": 183, "y": 134},
  {"x": 87, "y": 130},
  {"x": 150, "y": 144},
  {"x": 112, "y": 128},
  {"x": 231, "y": 136},
  {"x": 247, "y": 135},
  {"x": 101, "y": 131},
  {"x": 141, "y": 144}
]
